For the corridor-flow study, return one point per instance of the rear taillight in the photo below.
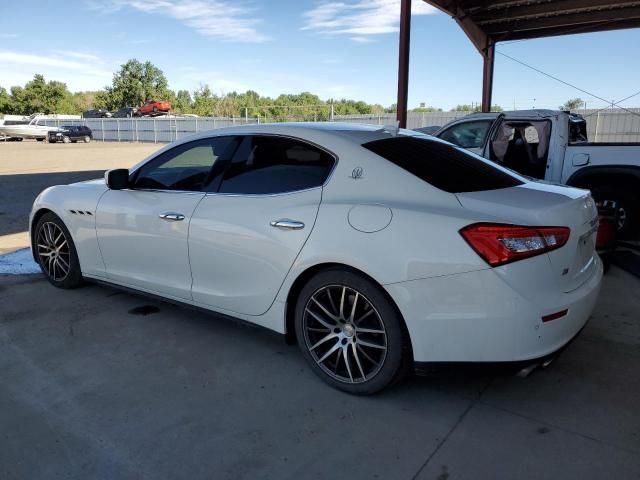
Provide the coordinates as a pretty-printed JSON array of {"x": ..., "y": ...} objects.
[{"x": 499, "y": 243}]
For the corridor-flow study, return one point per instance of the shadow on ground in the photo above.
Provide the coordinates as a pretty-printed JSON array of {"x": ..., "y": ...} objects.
[{"x": 17, "y": 193}]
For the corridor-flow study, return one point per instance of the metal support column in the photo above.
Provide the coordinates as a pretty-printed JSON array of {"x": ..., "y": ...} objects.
[
  {"x": 403, "y": 61},
  {"x": 487, "y": 75}
]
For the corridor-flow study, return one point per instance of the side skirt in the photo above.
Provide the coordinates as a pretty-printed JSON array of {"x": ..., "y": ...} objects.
[{"x": 238, "y": 321}]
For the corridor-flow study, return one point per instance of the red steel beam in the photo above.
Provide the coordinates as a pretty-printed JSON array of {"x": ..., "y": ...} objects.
[
  {"x": 403, "y": 61},
  {"x": 487, "y": 75}
]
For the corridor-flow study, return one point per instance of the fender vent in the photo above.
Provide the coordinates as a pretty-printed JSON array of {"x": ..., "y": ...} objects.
[{"x": 81, "y": 212}]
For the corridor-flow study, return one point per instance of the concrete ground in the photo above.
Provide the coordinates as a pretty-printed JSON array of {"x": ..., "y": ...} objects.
[
  {"x": 97, "y": 383},
  {"x": 28, "y": 167}
]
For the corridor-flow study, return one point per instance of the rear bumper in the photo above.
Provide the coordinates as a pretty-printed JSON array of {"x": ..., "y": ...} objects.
[{"x": 478, "y": 317}]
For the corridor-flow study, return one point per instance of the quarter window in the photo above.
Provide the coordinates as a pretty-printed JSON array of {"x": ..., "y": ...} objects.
[
  {"x": 442, "y": 165},
  {"x": 189, "y": 166},
  {"x": 272, "y": 164}
]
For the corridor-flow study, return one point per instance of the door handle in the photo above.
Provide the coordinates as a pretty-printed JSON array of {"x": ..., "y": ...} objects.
[
  {"x": 171, "y": 216},
  {"x": 287, "y": 224}
]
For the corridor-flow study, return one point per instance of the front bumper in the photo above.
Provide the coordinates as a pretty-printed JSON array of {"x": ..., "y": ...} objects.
[{"x": 478, "y": 317}]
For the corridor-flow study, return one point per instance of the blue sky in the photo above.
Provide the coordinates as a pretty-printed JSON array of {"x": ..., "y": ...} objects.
[{"x": 334, "y": 48}]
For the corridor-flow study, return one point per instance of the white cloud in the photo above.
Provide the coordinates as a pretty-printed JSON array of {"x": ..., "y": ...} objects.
[
  {"x": 225, "y": 19},
  {"x": 80, "y": 71},
  {"x": 191, "y": 78},
  {"x": 361, "y": 39},
  {"x": 81, "y": 56},
  {"x": 17, "y": 58},
  {"x": 359, "y": 19},
  {"x": 8, "y": 35}
]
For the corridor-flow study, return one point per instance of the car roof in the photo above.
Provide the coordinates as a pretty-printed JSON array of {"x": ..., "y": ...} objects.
[
  {"x": 355, "y": 132},
  {"x": 538, "y": 112}
]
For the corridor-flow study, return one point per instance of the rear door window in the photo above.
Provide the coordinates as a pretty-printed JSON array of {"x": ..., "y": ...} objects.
[
  {"x": 266, "y": 164},
  {"x": 442, "y": 165}
]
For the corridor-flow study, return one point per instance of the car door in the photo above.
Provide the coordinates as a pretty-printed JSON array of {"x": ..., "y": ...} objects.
[
  {"x": 245, "y": 236},
  {"x": 142, "y": 231}
]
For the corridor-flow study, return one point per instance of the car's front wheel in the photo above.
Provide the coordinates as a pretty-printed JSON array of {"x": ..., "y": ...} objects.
[
  {"x": 350, "y": 332},
  {"x": 55, "y": 252},
  {"x": 66, "y": 139},
  {"x": 87, "y": 139}
]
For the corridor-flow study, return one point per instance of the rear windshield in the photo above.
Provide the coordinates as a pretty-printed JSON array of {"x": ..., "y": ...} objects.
[{"x": 441, "y": 165}]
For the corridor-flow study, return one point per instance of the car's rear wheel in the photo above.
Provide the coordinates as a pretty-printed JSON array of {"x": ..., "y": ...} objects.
[
  {"x": 87, "y": 139},
  {"x": 349, "y": 332},
  {"x": 56, "y": 253}
]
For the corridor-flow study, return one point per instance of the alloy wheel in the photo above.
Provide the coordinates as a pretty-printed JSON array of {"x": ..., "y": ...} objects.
[
  {"x": 53, "y": 251},
  {"x": 345, "y": 334}
]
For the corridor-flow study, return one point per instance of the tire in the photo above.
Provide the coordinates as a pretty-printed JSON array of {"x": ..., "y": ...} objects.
[
  {"x": 66, "y": 139},
  {"x": 628, "y": 210},
  {"x": 155, "y": 109},
  {"x": 336, "y": 346},
  {"x": 61, "y": 267},
  {"x": 87, "y": 139}
]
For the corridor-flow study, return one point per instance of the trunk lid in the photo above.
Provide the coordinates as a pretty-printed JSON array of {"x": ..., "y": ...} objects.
[{"x": 546, "y": 205}]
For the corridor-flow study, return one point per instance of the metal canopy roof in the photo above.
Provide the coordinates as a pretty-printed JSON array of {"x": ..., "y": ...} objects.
[{"x": 488, "y": 22}]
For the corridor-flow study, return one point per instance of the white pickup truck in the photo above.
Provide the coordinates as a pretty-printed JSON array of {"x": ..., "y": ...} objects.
[{"x": 553, "y": 146}]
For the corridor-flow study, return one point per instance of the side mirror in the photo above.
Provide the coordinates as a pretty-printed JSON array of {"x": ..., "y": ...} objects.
[{"x": 117, "y": 179}]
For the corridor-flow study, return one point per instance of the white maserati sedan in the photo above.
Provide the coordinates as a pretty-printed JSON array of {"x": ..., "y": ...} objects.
[{"x": 377, "y": 249}]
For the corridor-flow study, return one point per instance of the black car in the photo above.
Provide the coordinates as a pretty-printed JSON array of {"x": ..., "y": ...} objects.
[
  {"x": 71, "y": 133},
  {"x": 126, "y": 112},
  {"x": 99, "y": 113}
]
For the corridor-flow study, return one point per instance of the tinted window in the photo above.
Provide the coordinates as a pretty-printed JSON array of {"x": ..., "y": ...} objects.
[
  {"x": 271, "y": 164},
  {"x": 186, "y": 167},
  {"x": 467, "y": 134},
  {"x": 443, "y": 166}
]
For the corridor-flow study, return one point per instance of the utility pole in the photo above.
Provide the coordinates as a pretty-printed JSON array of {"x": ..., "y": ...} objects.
[{"x": 403, "y": 62}]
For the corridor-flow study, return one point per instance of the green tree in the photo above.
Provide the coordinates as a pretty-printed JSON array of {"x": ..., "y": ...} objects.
[
  {"x": 573, "y": 104},
  {"x": 182, "y": 103},
  {"x": 466, "y": 108},
  {"x": 5, "y": 101},
  {"x": 39, "y": 96},
  {"x": 393, "y": 108},
  {"x": 476, "y": 107},
  {"x": 135, "y": 83},
  {"x": 426, "y": 109},
  {"x": 204, "y": 101}
]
